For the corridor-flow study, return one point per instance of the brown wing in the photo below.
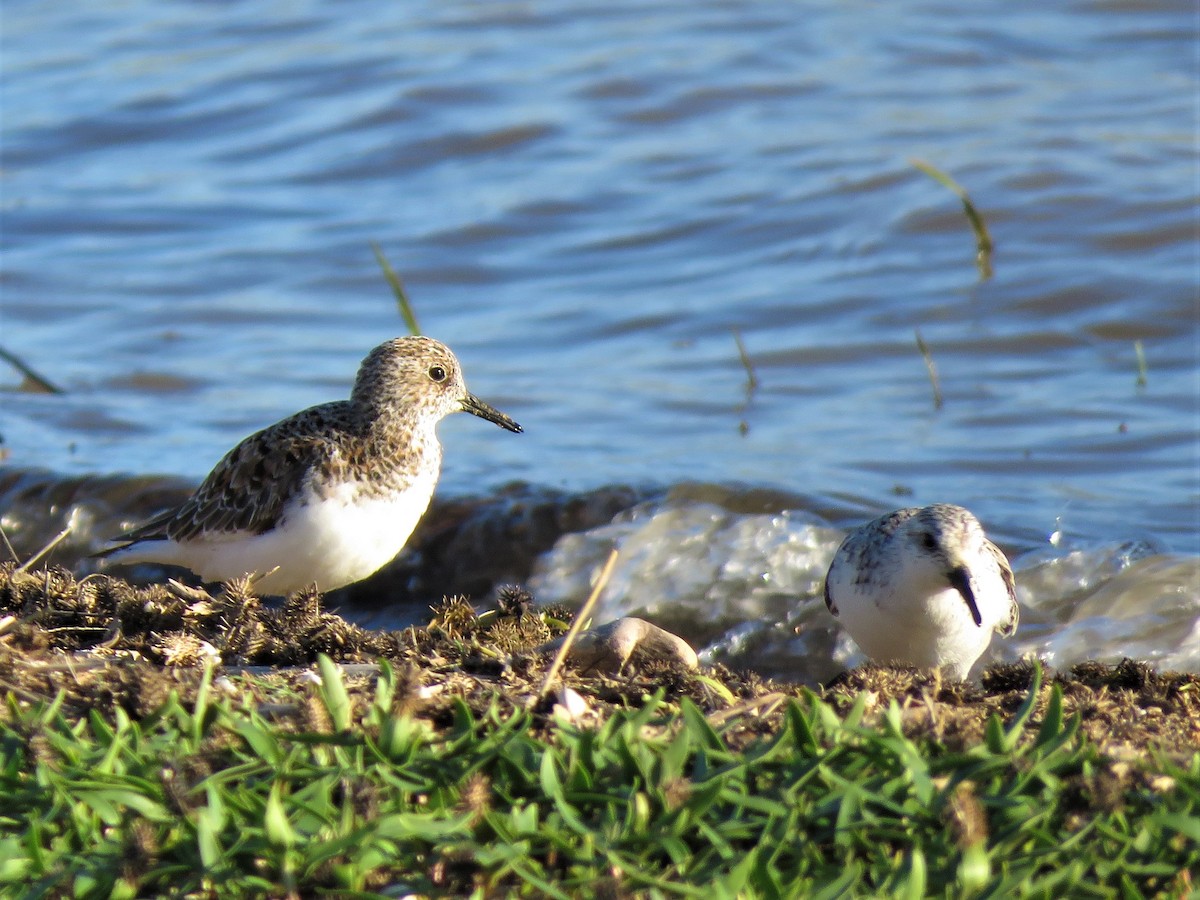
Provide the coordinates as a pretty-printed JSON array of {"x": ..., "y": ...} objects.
[
  {"x": 1007, "y": 628},
  {"x": 247, "y": 490}
]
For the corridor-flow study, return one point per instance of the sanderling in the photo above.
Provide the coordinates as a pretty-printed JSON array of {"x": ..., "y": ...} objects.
[
  {"x": 922, "y": 587},
  {"x": 329, "y": 495}
]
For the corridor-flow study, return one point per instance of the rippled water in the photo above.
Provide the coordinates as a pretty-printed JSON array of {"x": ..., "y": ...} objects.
[{"x": 585, "y": 201}]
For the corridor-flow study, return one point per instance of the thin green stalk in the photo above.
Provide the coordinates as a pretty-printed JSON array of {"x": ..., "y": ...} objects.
[
  {"x": 932, "y": 369},
  {"x": 751, "y": 380},
  {"x": 33, "y": 382},
  {"x": 747, "y": 363},
  {"x": 402, "y": 301},
  {"x": 983, "y": 240}
]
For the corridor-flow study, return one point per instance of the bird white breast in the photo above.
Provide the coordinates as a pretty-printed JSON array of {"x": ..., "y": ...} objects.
[
  {"x": 332, "y": 540},
  {"x": 905, "y": 622},
  {"x": 922, "y": 630}
]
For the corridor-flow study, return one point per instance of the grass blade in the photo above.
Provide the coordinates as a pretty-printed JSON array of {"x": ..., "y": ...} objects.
[
  {"x": 931, "y": 367},
  {"x": 333, "y": 693},
  {"x": 983, "y": 240},
  {"x": 1141, "y": 363},
  {"x": 1012, "y": 734},
  {"x": 751, "y": 380},
  {"x": 747, "y": 363},
  {"x": 33, "y": 382},
  {"x": 278, "y": 829},
  {"x": 402, "y": 301},
  {"x": 578, "y": 624}
]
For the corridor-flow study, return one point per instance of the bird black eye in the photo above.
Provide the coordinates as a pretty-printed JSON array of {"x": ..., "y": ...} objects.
[
  {"x": 929, "y": 542},
  {"x": 437, "y": 373}
]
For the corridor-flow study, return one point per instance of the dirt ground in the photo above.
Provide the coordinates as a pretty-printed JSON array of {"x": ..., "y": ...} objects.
[{"x": 109, "y": 644}]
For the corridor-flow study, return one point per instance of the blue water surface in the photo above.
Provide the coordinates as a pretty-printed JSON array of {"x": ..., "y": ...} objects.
[{"x": 585, "y": 201}]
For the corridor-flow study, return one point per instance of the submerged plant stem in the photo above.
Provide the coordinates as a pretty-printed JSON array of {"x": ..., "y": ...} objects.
[
  {"x": 747, "y": 363},
  {"x": 983, "y": 240},
  {"x": 751, "y": 380},
  {"x": 33, "y": 383},
  {"x": 931, "y": 366},
  {"x": 1141, "y": 363}
]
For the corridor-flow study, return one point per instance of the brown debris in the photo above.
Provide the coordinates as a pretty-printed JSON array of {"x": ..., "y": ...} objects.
[
  {"x": 108, "y": 644},
  {"x": 1125, "y": 708}
]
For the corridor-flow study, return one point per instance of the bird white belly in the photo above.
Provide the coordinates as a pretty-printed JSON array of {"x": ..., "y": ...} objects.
[
  {"x": 331, "y": 541},
  {"x": 925, "y": 632}
]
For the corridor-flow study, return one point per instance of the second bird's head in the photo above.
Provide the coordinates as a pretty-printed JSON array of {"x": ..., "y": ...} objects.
[{"x": 946, "y": 537}]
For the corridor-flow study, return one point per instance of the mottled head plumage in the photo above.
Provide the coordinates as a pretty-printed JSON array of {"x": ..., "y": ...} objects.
[
  {"x": 941, "y": 526},
  {"x": 407, "y": 373}
]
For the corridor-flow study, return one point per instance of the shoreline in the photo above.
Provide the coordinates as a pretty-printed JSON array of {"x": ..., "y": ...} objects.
[{"x": 428, "y": 761}]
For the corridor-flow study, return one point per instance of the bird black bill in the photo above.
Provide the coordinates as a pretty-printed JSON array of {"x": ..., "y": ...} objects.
[
  {"x": 477, "y": 407},
  {"x": 960, "y": 580}
]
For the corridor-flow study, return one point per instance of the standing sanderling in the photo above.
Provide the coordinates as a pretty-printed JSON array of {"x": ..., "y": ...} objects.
[
  {"x": 329, "y": 495},
  {"x": 922, "y": 587}
]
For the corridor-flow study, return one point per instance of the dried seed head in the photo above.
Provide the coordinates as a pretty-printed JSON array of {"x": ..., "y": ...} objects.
[
  {"x": 454, "y": 615},
  {"x": 476, "y": 796},
  {"x": 316, "y": 715},
  {"x": 514, "y": 600},
  {"x": 676, "y": 792},
  {"x": 966, "y": 817},
  {"x": 303, "y": 608}
]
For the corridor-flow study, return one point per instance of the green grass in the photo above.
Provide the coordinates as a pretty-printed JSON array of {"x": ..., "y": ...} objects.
[{"x": 367, "y": 800}]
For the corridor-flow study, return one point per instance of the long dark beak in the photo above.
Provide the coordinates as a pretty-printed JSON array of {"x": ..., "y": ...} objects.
[
  {"x": 477, "y": 407},
  {"x": 960, "y": 580}
]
